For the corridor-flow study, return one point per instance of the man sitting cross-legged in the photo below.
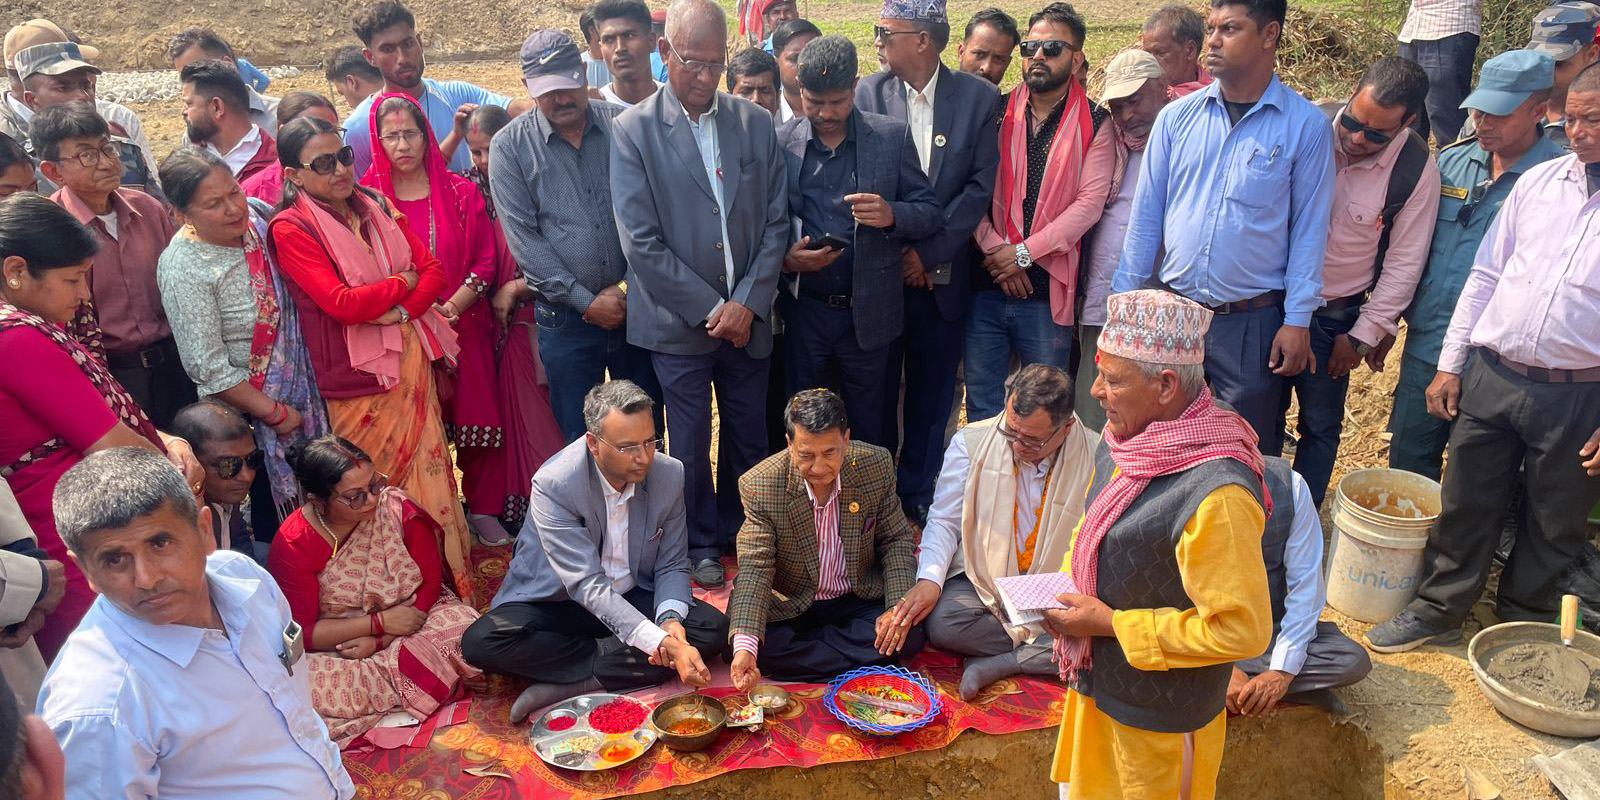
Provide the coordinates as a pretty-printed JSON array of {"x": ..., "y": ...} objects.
[
  {"x": 1006, "y": 502},
  {"x": 597, "y": 592},
  {"x": 824, "y": 555}
]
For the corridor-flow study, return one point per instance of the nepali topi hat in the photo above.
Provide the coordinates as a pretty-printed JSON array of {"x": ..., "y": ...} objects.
[{"x": 1155, "y": 327}]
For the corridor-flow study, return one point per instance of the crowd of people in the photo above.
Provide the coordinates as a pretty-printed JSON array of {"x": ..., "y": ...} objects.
[{"x": 244, "y": 378}]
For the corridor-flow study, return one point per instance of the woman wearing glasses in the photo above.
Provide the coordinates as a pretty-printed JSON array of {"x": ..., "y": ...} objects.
[
  {"x": 359, "y": 564},
  {"x": 365, "y": 287},
  {"x": 447, "y": 212},
  {"x": 267, "y": 184},
  {"x": 58, "y": 403},
  {"x": 236, "y": 326}
]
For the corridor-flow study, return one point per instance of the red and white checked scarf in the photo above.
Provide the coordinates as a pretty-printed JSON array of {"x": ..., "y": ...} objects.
[{"x": 1203, "y": 432}]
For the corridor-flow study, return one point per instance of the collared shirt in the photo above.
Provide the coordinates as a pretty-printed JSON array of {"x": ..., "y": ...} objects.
[
  {"x": 174, "y": 711},
  {"x": 1468, "y": 202},
  {"x": 646, "y": 635},
  {"x": 439, "y": 102},
  {"x": 1429, "y": 20},
  {"x": 122, "y": 280},
  {"x": 1240, "y": 210},
  {"x": 919, "y": 115},
  {"x": 264, "y": 111},
  {"x": 833, "y": 580},
  {"x": 242, "y": 151},
  {"x": 554, "y": 205},
  {"x": 1359, "y": 192},
  {"x": 611, "y": 96},
  {"x": 941, "y": 537},
  {"x": 1305, "y": 593},
  {"x": 826, "y": 176},
  {"x": 785, "y": 113},
  {"x": 1535, "y": 280},
  {"x": 705, "y": 139},
  {"x": 1103, "y": 246}
]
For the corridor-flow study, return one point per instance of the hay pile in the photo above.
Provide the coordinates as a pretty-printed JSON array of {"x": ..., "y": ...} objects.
[{"x": 1324, "y": 54}]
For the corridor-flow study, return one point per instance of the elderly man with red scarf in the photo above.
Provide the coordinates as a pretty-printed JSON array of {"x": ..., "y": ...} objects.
[{"x": 1176, "y": 511}]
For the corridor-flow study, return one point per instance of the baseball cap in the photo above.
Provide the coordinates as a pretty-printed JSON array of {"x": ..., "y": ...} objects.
[
  {"x": 1563, "y": 29},
  {"x": 38, "y": 31},
  {"x": 550, "y": 62},
  {"x": 1127, "y": 72},
  {"x": 55, "y": 58},
  {"x": 1507, "y": 80}
]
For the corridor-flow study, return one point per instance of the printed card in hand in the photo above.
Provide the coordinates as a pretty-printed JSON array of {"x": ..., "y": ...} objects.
[{"x": 1025, "y": 597}]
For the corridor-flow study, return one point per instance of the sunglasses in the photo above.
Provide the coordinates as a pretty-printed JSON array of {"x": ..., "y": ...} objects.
[
  {"x": 358, "y": 498},
  {"x": 1354, "y": 125},
  {"x": 880, "y": 32},
  {"x": 326, "y": 163},
  {"x": 1051, "y": 48},
  {"x": 228, "y": 466},
  {"x": 1464, "y": 213}
]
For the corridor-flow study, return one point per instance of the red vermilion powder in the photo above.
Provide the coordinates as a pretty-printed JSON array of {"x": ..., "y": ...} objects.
[
  {"x": 561, "y": 723},
  {"x": 617, "y": 716}
]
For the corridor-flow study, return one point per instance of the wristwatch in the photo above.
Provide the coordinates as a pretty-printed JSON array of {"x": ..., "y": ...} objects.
[
  {"x": 1024, "y": 258},
  {"x": 669, "y": 615},
  {"x": 405, "y": 316},
  {"x": 1362, "y": 348}
]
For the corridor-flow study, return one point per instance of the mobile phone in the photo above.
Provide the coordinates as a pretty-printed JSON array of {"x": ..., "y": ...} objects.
[{"x": 828, "y": 240}]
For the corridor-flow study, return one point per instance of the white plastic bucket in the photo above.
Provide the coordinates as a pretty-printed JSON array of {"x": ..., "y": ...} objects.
[{"x": 1380, "y": 521}]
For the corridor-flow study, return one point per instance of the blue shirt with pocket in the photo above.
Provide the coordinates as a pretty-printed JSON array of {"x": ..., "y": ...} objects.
[{"x": 1234, "y": 211}]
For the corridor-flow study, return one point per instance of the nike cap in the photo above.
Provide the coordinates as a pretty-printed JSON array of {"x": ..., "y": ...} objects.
[{"x": 550, "y": 62}]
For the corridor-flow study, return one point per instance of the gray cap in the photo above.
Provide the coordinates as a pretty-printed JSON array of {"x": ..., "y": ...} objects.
[
  {"x": 1507, "y": 80},
  {"x": 550, "y": 62},
  {"x": 55, "y": 58},
  {"x": 1563, "y": 29}
]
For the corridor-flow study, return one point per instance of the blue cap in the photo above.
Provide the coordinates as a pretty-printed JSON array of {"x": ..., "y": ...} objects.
[
  {"x": 550, "y": 61},
  {"x": 1563, "y": 29},
  {"x": 1507, "y": 80}
]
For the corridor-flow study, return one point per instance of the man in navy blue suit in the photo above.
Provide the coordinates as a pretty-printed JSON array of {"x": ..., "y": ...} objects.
[{"x": 952, "y": 118}]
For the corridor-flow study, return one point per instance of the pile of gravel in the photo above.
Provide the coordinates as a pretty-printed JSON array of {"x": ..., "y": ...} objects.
[{"x": 158, "y": 85}]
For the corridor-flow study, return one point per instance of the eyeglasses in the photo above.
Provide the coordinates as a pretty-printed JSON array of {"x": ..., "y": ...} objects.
[
  {"x": 228, "y": 466},
  {"x": 325, "y": 163},
  {"x": 89, "y": 159},
  {"x": 1027, "y": 441},
  {"x": 1354, "y": 125},
  {"x": 407, "y": 135},
  {"x": 633, "y": 450},
  {"x": 1474, "y": 197},
  {"x": 696, "y": 66},
  {"x": 1051, "y": 48},
  {"x": 357, "y": 498},
  {"x": 880, "y": 32}
]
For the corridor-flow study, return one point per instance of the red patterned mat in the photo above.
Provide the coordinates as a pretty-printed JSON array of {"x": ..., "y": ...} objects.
[{"x": 486, "y": 758}]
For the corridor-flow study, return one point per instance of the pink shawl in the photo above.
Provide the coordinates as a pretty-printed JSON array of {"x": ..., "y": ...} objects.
[{"x": 375, "y": 349}]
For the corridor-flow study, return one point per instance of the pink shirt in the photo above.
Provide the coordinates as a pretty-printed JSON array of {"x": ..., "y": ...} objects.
[
  {"x": 122, "y": 279},
  {"x": 832, "y": 579},
  {"x": 1359, "y": 190},
  {"x": 1535, "y": 282}
]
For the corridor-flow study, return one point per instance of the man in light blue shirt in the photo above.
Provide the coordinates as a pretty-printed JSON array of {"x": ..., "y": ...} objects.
[
  {"x": 1231, "y": 211},
  {"x": 186, "y": 679},
  {"x": 389, "y": 32}
]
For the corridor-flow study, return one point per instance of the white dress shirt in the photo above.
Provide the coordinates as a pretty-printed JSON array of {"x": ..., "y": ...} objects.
[
  {"x": 705, "y": 139},
  {"x": 173, "y": 711},
  {"x": 646, "y": 636},
  {"x": 242, "y": 151},
  {"x": 941, "y": 537},
  {"x": 919, "y": 115},
  {"x": 1302, "y": 566}
]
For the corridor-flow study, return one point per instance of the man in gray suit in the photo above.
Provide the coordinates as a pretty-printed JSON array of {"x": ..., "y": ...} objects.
[
  {"x": 854, "y": 177},
  {"x": 697, "y": 180},
  {"x": 597, "y": 593}
]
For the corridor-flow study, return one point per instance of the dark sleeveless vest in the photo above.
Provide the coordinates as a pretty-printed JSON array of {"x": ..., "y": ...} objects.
[
  {"x": 1276, "y": 538},
  {"x": 1139, "y": 569}
]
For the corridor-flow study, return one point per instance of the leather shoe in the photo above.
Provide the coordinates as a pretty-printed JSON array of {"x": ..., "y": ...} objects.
[{"x": 708, "y": 573}]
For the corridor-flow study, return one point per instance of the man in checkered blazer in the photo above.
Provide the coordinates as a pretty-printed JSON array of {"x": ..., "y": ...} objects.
[{"x": 824, "y": 555}]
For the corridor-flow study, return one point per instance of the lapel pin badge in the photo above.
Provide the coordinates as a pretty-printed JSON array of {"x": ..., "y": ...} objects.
[
  {"x": 939, "y": 140},
  {"x": 854, "y": 506}
]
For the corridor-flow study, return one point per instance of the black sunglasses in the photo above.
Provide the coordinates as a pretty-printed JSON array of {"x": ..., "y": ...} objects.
[
  {"x": 1474, "y": 197},
  {"x": 229, "y": 466},
  {"x": 324, "y": 164},
  {"x": 884, "y": 34},
  {"x": 1051, "y": 47},
  {"x": 1354, "y": 125}
]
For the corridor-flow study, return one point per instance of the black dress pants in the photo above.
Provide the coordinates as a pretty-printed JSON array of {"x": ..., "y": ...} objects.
[{"x": 831, "y": 637}]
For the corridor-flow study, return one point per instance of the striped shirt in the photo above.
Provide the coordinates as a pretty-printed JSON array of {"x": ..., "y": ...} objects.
[
  {"x": 1430, "y": 20},
  {"x": 832, "y": 579}
]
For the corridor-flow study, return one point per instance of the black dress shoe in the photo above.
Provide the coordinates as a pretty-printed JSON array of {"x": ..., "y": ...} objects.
[{"x": 708, "y": 573}]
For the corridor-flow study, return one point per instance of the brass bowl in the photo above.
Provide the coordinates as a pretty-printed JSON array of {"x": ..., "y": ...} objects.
[
  {"x": 770, "y": 697},
  {"x": 685, "y": 706}
]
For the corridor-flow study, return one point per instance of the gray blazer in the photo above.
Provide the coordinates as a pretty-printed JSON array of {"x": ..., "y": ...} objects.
[
  {"x": 671, "y": 226},
  {"x": 886, "y": 165},
  {"x": 557, "y": 555}
]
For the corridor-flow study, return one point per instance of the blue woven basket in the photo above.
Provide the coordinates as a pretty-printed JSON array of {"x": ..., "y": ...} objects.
[{"x": 869, "y": 677}]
